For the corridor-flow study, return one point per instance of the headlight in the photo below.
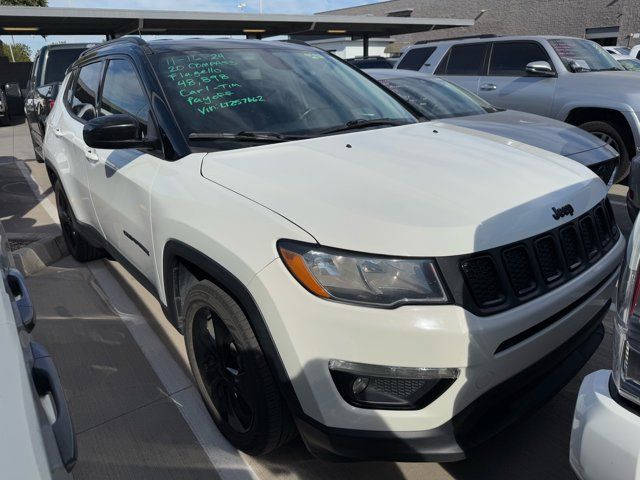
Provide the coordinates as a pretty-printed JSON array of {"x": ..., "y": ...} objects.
[
  {"x": 626, "y": 335},
  {"x": 362, "y": 278}
]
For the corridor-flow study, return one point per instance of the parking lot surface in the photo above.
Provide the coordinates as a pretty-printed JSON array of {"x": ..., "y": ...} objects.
[{"x": 136, "y": 411}]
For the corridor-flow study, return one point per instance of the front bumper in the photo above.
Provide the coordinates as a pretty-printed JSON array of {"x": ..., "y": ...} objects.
[
  {"x": 309, "y": 331},
  {"x": 605, "y": 437},
  {"x": 486, "y": 416}
]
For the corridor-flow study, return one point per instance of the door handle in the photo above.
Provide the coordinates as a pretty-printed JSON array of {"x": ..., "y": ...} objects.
[
  {"x": 487, "y": 87},
  {"x": 58, "y": 133},
  {"x": 91, "y": 156},
  {"x": 16, "y": 282},
  {"x": 47, "y": 381}
]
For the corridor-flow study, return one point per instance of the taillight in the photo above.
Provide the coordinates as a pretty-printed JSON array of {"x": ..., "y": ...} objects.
[
  {"x": 626, "y": 332},
  {"x": 52, "y": 102}
]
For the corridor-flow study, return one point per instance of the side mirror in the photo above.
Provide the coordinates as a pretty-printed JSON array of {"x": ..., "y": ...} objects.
[
  {"x": 114, "y": 132},
  {"x": 540, "y": 69}
]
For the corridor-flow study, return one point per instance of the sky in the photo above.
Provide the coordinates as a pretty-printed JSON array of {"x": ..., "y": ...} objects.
[{"x": 250, "y": 6}]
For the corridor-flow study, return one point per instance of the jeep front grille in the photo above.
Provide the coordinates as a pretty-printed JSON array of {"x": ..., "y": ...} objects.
[{"x": 504, "y": 277}]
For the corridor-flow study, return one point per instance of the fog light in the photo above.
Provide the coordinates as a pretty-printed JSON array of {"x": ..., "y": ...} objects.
[
  {"x": 359, "y": 384},
  {"x": 390, "y": 388}
]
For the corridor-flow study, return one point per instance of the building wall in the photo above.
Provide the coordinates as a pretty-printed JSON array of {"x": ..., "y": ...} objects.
[{"x": 516, "y": 17}]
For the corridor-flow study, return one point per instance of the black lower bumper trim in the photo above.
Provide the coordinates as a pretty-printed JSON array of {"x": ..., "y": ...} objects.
[{"x": 486, "y": 416}]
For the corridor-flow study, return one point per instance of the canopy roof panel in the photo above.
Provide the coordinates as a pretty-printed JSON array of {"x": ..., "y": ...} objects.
[{"x": 116, "y": 22}]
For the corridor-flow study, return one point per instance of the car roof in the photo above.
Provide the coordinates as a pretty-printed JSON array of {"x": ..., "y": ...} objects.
[
  {"x": 169, "y": 45},
  {"x": 64, "y": 46},
  {"x": 388, "y": 74},
  {"x": 494, "y": 39}
]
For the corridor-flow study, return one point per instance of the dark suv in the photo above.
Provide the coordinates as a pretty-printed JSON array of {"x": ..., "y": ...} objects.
[{"x": 48, "y": 71}]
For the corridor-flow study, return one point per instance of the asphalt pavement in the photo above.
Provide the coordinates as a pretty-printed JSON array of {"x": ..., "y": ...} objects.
[{"x": 132, "y": 398}]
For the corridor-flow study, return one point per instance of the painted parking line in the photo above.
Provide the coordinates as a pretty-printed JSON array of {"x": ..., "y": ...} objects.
[
  {"x": 226, "y": 460},
  {"x": 224, "y": 457}
]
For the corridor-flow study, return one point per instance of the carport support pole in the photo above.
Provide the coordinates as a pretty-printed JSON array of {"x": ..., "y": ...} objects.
[
  {"x": 365, "y": 46},
  {"x": 13, "y": 59}
]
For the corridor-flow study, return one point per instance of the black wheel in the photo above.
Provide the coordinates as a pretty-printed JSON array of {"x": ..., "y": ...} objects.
[
  {"x": 608, "y": 133},
  {"x": 78, "y": 246},
  {"x": 231, "y": 372}
]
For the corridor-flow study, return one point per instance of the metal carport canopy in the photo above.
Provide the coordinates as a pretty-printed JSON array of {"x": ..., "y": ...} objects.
[{"x": 114, "y": 23}]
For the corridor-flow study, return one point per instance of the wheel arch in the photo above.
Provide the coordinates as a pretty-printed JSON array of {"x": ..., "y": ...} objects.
[
  {"x": 182, "y": 267},
  {"x": 579, "y": 115}
]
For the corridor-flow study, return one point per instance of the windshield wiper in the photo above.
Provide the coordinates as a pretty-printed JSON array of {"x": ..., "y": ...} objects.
[
  {"x": 364, "y": 123},
  {"x": 264, "y": 137}
]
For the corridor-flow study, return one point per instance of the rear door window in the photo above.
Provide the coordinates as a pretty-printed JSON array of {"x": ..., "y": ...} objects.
[
  {"x": 83, "y": 102},
  {"x": 465, "y": 60},
  {"x": 58, "y": 60},
  {"x": 415, "y": 58},
  {"x": 511, "y": 58}
]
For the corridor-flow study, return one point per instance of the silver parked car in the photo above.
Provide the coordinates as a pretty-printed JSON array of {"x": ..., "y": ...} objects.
[
  {"x": 439, "y": 99},
  {"x": 569, "y": 79}
]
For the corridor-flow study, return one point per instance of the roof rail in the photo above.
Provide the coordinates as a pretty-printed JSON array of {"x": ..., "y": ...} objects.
[
  {"x": 136, "y": 40},
  {"x": 467, "y": 37}
]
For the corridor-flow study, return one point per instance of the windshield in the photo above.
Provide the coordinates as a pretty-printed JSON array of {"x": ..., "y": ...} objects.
[
  {"x": 58, "y": 60},
  {"x": 279, "y": 90},
  {"x": 630, "y": 64},
  {"x": 583, "y": 55},
  {"x": 436, "y": 98}
]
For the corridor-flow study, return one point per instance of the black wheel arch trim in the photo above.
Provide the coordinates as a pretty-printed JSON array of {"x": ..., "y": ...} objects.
[{"x": 175, "y": 250}]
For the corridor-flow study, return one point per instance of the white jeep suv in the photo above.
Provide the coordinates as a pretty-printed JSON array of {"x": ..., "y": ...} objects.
[{"x": 387, "y": 286}]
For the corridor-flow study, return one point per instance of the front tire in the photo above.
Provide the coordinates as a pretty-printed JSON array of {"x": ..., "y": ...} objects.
[
  {"x": 231, "y": 372},
  {"x": 609, "y": 133},
  {"x": 78, "y": 246}
]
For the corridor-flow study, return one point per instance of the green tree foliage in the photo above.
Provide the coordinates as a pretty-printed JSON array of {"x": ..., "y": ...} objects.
[
  {"x": 24, "y": 3},
  {"x": 21, "y": 52}
]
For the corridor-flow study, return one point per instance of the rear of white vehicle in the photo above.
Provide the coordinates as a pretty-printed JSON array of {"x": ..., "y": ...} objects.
[{"x": 605, "y": 439}]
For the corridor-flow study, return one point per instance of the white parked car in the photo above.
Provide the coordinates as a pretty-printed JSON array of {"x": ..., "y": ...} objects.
[
  {"x": 391, "y": 288},
  {"x": 605, "y": 438},
  {"x": 38, "y": 439},
  {"x": 619, "y": 50}
]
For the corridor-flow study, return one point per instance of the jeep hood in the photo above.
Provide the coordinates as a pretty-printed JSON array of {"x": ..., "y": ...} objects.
[
  {"x": 428, "y": 189},
  {"x": 546, "y": 133}
]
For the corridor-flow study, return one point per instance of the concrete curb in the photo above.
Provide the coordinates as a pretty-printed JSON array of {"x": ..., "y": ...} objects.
[{"x": 39, "y": 254}]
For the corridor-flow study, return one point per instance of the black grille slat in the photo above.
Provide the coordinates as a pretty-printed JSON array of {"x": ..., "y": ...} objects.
[
  {"x": 571, "y": 247},
  {"x": 612, "y": 219},
  {"x": 548, "y": 259},
  {"x": 589, "y": 237},
  {"x": 519, "y": 270},
  {"x": 484, "y": 281},
  {"x": 602, "y": 225},
  {"x": 507, "y": 276}
]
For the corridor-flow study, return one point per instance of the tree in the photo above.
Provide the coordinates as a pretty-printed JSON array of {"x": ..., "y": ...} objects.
[
  {"x": 21, "y": 52},
  {"x": 24, "y": 3}
]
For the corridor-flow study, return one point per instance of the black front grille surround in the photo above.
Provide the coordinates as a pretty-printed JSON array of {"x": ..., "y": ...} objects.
[
  {"x": 606, "y": 170},
  {"x": 501, "y": 278}
]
